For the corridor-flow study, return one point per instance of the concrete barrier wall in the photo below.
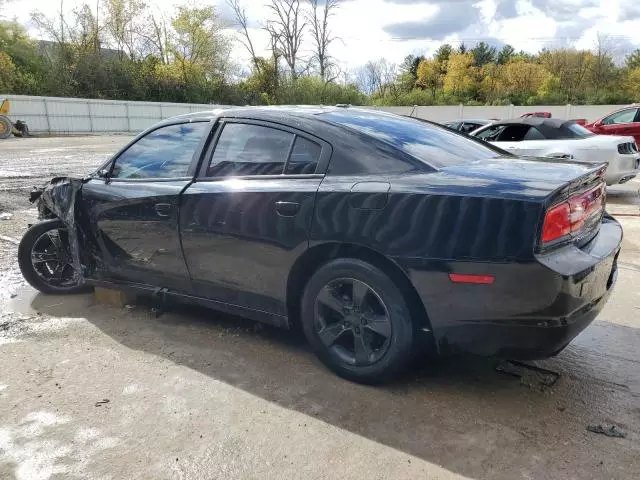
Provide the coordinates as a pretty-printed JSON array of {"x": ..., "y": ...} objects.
[{"x": 78, "y": 115}]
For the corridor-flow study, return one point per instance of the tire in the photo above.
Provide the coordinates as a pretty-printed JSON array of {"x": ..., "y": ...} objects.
[
  {"x": 38, "y": 237},
  {"x": 390, "y": 344},
  {"x": 5, "y": 127}
]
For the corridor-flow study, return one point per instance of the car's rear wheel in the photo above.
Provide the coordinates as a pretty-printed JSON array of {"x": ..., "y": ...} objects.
[
  {"x": 357, "y": 321},
  {"x": 44, "y": 256}
]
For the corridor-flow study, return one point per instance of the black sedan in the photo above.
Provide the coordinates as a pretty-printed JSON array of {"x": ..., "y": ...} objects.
[{"x": 378, "y": 234}]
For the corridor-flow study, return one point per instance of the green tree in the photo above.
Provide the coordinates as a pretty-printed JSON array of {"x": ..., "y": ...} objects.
[
  {"x": 443, "y": 53},
  {"x": 199, "y": 46},
  {"x": 505, "y": 55},
  {"x": 483, "y": 53}
]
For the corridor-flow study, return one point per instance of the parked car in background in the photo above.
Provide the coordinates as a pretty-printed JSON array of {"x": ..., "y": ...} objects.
[
  {"x": 536, "y": 114},
  {"x": 625, "y": 121},
  {"x": 565, "y": 139},
  {"x": 378, "y": 234},
  {"x": 468, "y": 125}
]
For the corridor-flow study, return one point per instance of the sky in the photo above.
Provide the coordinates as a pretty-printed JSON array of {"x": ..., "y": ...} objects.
[{"x": 371, "y": 29}]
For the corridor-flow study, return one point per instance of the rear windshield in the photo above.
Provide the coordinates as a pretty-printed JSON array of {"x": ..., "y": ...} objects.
[{"x": 434, "y": 145}]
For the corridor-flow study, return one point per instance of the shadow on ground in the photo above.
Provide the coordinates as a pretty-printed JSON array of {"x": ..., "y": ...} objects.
[{"x": 458, "y": 413}]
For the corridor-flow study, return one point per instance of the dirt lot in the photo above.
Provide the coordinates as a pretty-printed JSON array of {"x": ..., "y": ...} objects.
[{"x": 88, "y": 391}]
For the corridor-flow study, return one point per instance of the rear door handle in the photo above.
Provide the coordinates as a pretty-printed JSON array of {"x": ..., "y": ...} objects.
[
  {"x": 287, "y": 209},
  {"x": 163, "y": 209}
]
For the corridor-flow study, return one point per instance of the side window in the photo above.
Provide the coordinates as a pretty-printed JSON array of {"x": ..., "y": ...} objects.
[
  {"x": 534, "y": 134},
  {"x": 625, "y": 116},
  {"x": 491, "y": 134},
  {"x": 166, "y": 152},
  {"x": 514, "y": 133},
  {"x": 304, "y": 157},
  {"x": 245, "y": 149},
  {"x": 467, "y": 127}
]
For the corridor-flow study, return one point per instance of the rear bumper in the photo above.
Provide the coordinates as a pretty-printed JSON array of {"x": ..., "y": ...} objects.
[
  {"x": 529, "y": 340},
  {"x": 533, "y": 310},
  {"x": 623, "y": 169}
]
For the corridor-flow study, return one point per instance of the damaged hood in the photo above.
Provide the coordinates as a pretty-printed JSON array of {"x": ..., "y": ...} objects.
[{"x": 60, "y": 197}]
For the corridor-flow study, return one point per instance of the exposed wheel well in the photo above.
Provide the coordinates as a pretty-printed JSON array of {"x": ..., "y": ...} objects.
[{"x": 313, "y": 258}]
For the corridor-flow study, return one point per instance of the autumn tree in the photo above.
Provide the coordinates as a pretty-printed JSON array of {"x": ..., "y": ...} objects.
[
  {"x": 429, "y": 76},
  {"x": 632, "y": 84},
  {"x": 8, "y": 73},
  {"x": 459, "y": 78},
  {"x": 523, "y": 79},
  {"x": 633, "y": 59},
  {"x": 570, "y": 67}
]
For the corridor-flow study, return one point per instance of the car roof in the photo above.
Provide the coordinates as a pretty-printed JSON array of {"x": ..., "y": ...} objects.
[{"x": 257, "y": 112}]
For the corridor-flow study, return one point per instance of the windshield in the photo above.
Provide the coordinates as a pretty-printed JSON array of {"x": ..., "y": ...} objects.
[
  {"x": 434, "y": 145},
  {"x": 579, "y": 131}
]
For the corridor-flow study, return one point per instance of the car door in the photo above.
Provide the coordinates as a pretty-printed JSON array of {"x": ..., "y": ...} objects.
[
  {"x": 247, "y": 216},
  {"x": 133, "y": 211},
  {"x": 623, "y": 122},
  {"x": 635, "y": 128}
]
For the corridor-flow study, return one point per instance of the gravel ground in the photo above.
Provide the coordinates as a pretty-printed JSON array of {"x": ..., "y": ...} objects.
[{"x": 88, "y": 391}]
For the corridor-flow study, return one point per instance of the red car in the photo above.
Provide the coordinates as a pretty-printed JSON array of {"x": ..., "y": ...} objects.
[
  {"x": 625, "y": 121},
  {"x": 536, "y": 114}
]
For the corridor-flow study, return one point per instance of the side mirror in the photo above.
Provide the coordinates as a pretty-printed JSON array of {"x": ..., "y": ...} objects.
[{"x": 104, "y": 173}]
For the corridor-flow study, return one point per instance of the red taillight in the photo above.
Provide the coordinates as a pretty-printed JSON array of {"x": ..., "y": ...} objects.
[
  {"x": 570, "y": 216},
  {"x": 468, "y": 278}
]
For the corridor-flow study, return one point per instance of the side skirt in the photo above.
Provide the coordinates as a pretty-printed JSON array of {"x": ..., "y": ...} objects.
[{"x": 279, "y": 321}]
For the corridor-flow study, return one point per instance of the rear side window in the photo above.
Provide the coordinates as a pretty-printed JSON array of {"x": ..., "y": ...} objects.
[
  {"x": 304, "y": 157},
  {"x": 534, "y": 134},
  {"x": 432, "y": 144},
  {"x": 245, "y": 149},
  {"x": 166, "y": 152}
]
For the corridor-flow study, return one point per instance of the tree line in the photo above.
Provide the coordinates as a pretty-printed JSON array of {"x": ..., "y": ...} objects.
[
  {"x": 129, "y": 50},
  {"x": 484, "y": 75}
]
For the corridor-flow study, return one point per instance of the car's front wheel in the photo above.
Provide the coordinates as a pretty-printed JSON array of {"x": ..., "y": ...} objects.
[
  {"x": 357, "y": 321},
  {"x": 44, "y": 256}
]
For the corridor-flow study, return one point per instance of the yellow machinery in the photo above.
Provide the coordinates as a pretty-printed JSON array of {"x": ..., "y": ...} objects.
[{"x": 19, "y": 129}]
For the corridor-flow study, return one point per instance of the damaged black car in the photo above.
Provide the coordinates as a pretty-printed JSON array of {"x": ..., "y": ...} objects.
[{"x": 378, "y": 235}]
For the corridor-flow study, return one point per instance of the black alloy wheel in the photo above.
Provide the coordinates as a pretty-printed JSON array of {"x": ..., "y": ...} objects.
[
  {"x": 45, "y": 258},
  {"x": 353, "y": 322},
  {"x": 357, "y": 321}
]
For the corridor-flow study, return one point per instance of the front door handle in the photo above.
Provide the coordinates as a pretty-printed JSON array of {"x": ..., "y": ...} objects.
[
  {"x": 287, "y": 209},
  {"x": 163, "y": 209}
]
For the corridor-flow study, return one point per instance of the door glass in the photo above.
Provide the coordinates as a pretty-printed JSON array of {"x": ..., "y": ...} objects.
[
  {"x": 625, "y": 116},
  {"x": 513, "y": 133},
  {"x": 245, "y": 149},
  {"x": 166, "y": 152},
  {"x": 304, "y": 157},
  {"x": 491, "y": 133}
]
